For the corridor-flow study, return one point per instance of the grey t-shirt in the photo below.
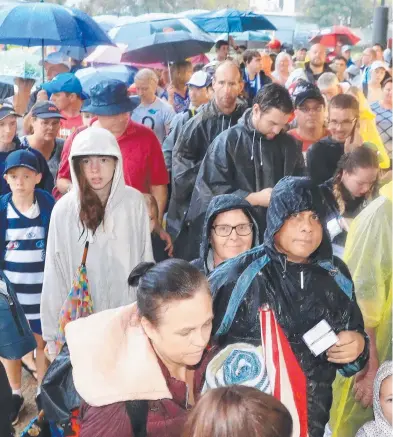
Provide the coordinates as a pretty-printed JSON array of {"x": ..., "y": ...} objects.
[{"x": 157, "y": 116}]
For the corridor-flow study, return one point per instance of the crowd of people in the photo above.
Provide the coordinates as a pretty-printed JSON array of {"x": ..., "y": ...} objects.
[{"x": 235, "y": 222}]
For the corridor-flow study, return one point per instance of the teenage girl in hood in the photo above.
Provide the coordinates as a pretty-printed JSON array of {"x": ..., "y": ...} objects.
[{"x": 100, "y": 209}]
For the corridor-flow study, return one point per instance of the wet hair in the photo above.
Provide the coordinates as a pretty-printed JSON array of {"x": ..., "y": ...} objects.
[
  {"x": 274, "y": 96},
  {"x": 345, "y": 101},
  {"x": 238, "y": 411},
  {"x": 340, "y": 58},
  {"x": 378, "y": 45},
  {"x": 151, "y": 204},
  {"x": 386, "y": 81},
  {"x": 361, "y": 157},
  {"x": 198, "y": 67},
  {"x": 221, "y": 43},
  {"x": 177, "y": 69},
  {"x": 146, "y": 74},
  {"x": 160, "y": 284},
  {"x": 92, "y": 210},
  {"x": 249, "y": 55}
]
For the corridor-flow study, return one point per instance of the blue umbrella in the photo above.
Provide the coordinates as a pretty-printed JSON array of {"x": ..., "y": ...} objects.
[
  {"x": 107, "y": 22},
  {"x": 77, "y": 53},
  {"x": 92, "y": 75},
  {"x": 167, "y": 47},
  {"x": 43, "y": 24},
  {"x": 232, "y": 20}
]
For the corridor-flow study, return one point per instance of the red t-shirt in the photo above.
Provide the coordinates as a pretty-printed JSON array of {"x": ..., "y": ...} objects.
[
  {"x": 143, "y": 160},
  {"x": 306, "y": 143},
  {"x": 69, "y": 125}
]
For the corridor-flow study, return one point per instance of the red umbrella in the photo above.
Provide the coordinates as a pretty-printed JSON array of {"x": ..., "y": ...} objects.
[{"x": 331, "y": 35}]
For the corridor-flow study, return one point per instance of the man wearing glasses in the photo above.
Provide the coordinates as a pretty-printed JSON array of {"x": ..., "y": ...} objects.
[
  {"x": 310, "y": 114},
  {"x": 322, "y": 157}
]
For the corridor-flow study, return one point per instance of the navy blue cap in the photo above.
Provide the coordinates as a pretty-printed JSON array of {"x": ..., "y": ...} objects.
[
  {"x": 45, "y": 109},
  {"x": 110, "y": 97},
  {"x": 65, "y": 83},
  {"x": 22, "y": 158},
  {"x": 304, "y": 91},
  {"x": 6, "y": 109}
]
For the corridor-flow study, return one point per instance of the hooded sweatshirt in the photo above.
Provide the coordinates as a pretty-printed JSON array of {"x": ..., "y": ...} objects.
[
  {"x": 113, "y": 362},
  {"x": 240, "y": 161},
  {"x": 300, "y": 295},
  {"x": 120, "y": 243},
  {"x": 379, "y": 427},
  {"x": 188, "y": 153},
  {"x": 218, "y": 205}
]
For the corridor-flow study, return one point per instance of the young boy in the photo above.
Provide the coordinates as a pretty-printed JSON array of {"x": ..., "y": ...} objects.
[
  {"x": 160, "y": 239},
  {"x": 24, "y": 224}
]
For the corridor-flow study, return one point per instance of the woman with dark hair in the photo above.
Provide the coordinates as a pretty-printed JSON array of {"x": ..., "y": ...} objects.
[
  {"x": 354, "y": 185},
  {"x": 102, "y": 210},
  {"x": 238, "y": 411},
  {"x": 149, "y": 358}
]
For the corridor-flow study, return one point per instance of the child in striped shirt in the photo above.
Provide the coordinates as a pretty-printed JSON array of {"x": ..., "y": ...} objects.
[{"x": 24, "y": 224}]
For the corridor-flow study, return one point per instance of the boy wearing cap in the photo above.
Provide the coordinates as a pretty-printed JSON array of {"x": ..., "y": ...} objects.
[
  {"x": 66, "y": 93},
  {"x": 310, "y": 114},
  {"x": 24, "y": 225}
]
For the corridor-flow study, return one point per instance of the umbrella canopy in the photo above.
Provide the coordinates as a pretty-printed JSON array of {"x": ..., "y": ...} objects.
[
  {"x": 19, "y": 63},
  {"x": 106, "y": 22},
  {"x": 107, "y": 54},
  {"x": 330, "y": 36},
  {"x": 43, "y": 24},
  {"x": 167, "y": 47},
  {"x": 192, "y": 13},
  {"x": 251, "y": 35},
  {"x": 77, "y": 53},
  {"x": 232, "y": 20},
  {"x": 92, "y": 75}
]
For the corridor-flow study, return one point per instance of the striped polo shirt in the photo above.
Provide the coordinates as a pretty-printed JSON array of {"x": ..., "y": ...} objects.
[{"x": 24, "y": 257}]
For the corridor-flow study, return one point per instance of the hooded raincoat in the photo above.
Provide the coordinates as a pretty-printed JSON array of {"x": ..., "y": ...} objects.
[
  {"x": 379, "y": 427},
  {"x": 240, "y": 161},
  {"x": 120, "y": 243},
  {"x": 220, "y": 204},
  {"x": 368, "y": 254},
  {"x": 300, "y": 295},
  {"x": 188, "y": 153}
]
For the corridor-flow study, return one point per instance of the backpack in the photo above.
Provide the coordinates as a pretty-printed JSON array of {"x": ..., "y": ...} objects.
[
  {"x": 137, "y": 413},
  {"x": 16, "y": 337}
]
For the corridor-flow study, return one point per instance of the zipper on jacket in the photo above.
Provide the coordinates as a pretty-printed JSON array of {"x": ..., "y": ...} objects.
[
  {"x": 14, "y": 313},
  {"x": 302, "y": 279},
  {"x": 187, "y": 394}
]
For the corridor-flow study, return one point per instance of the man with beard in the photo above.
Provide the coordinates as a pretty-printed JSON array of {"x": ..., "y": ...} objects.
[
  {"x": 215, "y": 117},
  {"x": 247, "y": 160}
]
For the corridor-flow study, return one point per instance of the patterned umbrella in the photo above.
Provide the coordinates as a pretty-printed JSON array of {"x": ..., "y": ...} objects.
[{"x": 78, "y": 303}]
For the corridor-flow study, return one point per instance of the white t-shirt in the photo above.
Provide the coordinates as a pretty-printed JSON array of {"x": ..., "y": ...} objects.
[{"x": 157, "y": 116}]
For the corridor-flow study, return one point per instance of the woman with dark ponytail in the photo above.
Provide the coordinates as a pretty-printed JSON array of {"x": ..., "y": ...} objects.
[
  {"x": 141, "y": 367},
  {"x": 353, "y": 187},
  {"x": 102, "y": 210}
]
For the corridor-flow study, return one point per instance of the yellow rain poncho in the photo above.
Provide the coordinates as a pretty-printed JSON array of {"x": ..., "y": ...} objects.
[{"x": 368, "y": 254}]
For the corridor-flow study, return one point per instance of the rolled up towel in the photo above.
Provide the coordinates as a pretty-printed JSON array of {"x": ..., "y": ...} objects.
[{"x": 238, "y": 363}]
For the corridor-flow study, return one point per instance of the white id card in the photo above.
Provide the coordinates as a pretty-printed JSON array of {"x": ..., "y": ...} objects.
[{"x": 320, "y": 338}]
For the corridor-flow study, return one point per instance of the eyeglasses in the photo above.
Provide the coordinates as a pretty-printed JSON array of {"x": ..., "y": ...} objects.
[
  {"x": 242, "y": 230},
  {"x": 306, "y": 110},
  {"x": 345, "y": 124}
]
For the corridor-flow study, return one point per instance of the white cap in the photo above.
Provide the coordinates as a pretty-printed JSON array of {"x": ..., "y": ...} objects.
[
  {"x": 378, "y": 64},
  {"x": 346, "y": 49},
  {"x": 56, "y": 58},
  {"x": 200, "y": 79}
]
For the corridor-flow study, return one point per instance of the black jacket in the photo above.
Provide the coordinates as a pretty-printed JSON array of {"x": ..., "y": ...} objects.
[
  {"x": 219, "y": 204},
  {"x": 311, "y": 77},
  {"x": 296, "y": 308},
  {"x": 188, "y": 153},
  {"x": 240, "y": 161},
  {"x": 322, "y": 159}
]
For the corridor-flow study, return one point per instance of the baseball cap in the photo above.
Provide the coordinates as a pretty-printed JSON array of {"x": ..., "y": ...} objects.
[
  {"x": 6, "y": 109},
  {"x": 378, "y": 64},
  {"x": 200, "y": 79},
  {"x": 45, "y": 110},
  {"x": 304, "y": 91},
  {"x": 22, "y": 158},
  {"x": 65, "y": 83},
  {"x": 56, "y": 58},
  {"x": 274, "y": 44},
  {"x": 346, "y": 48}
]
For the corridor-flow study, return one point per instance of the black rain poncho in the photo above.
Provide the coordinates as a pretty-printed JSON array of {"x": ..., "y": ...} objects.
[
  {"x": 188, "y": 153},
  {"x": 327, "y": 293},
  {"x": 240, "y": 161}
]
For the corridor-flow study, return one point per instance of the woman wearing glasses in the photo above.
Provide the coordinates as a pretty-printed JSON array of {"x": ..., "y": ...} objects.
[{"x": 230, "y": 229}]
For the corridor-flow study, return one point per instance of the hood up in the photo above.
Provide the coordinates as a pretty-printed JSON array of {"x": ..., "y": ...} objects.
[
  {"x": 219, "y": 204},
  {"x": 379, "y": 426},
  {"x": 102, "y": 352},
  {"x": 292, "y": 195},
  {"x": 98, "y": 142}
]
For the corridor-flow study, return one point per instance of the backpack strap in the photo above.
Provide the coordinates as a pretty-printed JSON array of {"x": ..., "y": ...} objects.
[
  {"x": 137, "y": 413},
  {"x": 341, "y": 280},
  {"x": 238, "y": 293}
]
